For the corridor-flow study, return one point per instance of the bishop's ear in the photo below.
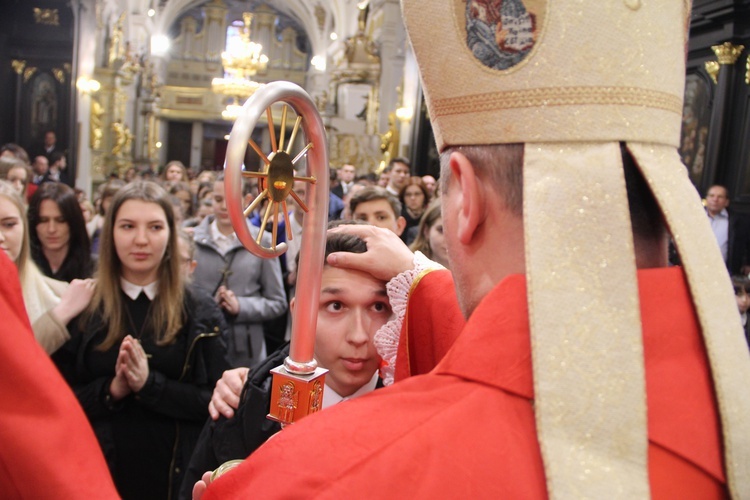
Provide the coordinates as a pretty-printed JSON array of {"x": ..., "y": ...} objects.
[{"x": 469, "y": 199}]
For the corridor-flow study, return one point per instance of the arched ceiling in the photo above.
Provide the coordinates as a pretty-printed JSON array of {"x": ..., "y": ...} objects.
[{"x": 338, "y": 15}]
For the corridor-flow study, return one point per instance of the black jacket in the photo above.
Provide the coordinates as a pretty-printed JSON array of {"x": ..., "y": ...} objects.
[
  {"x": 738, "y": 247},
  {"x": 237, "y": 437},
  {"x": 168, "y": 409}
]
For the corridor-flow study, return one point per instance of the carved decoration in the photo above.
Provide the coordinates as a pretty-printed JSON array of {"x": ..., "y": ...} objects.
[
  {"x": 46, "y": 16},
  {"x": 59, "y": 74},
  {"x": 96, "y": 132},
  {"x": 116, "y": 43},
  {"x": 727, "y": 53},
  {"x": 320, "y": 15},
  {"x": 712, "y": 68},
  {"x": 18, "y": 66},
  {"x": 747, "y": 70},
  {"x": 28, "y": 73}
]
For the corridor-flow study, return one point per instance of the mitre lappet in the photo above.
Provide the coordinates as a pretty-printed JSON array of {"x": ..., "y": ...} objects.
[{"x": 573, "y": 80}]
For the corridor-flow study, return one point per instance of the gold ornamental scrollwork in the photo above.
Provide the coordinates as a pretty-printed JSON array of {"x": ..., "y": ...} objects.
[
  {"x": 59, "y": 74},
  {"x": 712, "y": 68},
  {"x": 46, "y": 16},
  {"x": 96, "y": 132},
  {"x": 18, "y": 66},
  {"x": 747, "y": 70},
  {"x": 28, "y": 73},
  {"x": 727, "y": 53}
]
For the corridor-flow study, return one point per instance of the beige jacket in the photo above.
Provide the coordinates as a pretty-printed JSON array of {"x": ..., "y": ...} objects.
[{"x": 40, "y": 295}]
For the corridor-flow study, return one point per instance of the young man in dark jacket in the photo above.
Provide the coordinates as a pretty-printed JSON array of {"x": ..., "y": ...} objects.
[{"x": 353, "y": 306}]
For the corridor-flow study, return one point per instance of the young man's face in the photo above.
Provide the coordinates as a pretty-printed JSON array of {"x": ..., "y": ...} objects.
[
  {"x": 380, "y": 214},
  {"x": 353, "y": 306},
  {"x": 346, "y": 174},
  {"x": 399, "y": 176}
]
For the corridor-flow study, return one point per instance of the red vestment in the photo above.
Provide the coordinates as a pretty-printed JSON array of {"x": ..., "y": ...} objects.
[
  {"x": 467, "y": 428},
  {"x": 432, "y": 323},
  {"x": 47, "y": 448}
]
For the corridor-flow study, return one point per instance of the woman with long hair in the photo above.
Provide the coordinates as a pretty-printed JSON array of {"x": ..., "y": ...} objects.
[
  {"x": 150, "y": 349},
  {"x": 430, "y": 240},
  {"x": 175, "y": 171},
  {"x": 50, "y": 304},
  {"x": 60, "y": 245},
  {"x": 414, "y": 199}
]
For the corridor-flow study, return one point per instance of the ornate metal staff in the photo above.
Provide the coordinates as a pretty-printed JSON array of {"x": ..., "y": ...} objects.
[{"x": 297, "y": 384}]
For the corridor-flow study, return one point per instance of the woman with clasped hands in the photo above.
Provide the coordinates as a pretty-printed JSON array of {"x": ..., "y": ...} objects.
[{"x": 150, "y": 350}]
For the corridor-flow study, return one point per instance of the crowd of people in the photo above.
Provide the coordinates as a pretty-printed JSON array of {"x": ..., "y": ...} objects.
[
  {"x": 143, "y": 297},
  {"x": 551, "y": 200}
]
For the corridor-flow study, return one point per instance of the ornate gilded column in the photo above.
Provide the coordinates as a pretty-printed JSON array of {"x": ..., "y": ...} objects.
[{"x": 722, "y": 73}]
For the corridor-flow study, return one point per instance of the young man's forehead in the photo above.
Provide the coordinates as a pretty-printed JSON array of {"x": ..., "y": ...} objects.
[
  {"x": 377, "y": 207},
  {"x": 337, "y": 281}
]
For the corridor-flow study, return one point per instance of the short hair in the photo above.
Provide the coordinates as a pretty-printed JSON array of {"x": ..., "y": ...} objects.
[
  {"x": 373, "y": 193},
  {"x": 726, "y": 191},
  {"x": 341, "y": 242},
  {"x": 55, "y": 157},
  {"x": 501, "y": 165},
  {"x": 77, "y": 263},
  {"x": 398, "y": 159}
]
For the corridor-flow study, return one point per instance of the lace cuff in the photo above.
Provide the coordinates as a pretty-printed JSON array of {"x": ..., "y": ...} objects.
[{"x": 387, "y": 337}]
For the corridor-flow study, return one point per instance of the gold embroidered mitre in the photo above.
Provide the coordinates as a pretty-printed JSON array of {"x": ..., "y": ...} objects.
[
  {"x": 573, "y": 80},
  {"x": 539, "y": 71}
]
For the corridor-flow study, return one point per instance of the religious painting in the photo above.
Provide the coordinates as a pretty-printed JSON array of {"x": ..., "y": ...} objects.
[
  {"x": 501, "y": 33},
  {"x": 696, "y": 117},
  {"x": 44, "y": 105}
]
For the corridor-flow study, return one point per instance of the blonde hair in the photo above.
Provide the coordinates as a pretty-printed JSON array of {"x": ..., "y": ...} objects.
[
  {"x": 167, "y": 313},
  {"x": 22, "y": 259}
]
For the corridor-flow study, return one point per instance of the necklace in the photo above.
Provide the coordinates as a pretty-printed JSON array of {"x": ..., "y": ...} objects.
[{"x": 140, "y": 330}]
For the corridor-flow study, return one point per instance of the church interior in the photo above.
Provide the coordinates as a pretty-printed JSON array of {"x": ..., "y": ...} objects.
[{"x": 139, "y": 83}]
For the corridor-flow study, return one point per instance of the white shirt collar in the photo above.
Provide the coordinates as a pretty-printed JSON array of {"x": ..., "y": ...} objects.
[
  {"x": 133, "y": 291},
  {"x": 331, "y": 397},
  {"x": 724, "y": 214}
]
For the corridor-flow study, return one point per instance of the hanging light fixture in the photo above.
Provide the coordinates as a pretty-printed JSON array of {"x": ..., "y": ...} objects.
[{"x": 242, "y": 60}]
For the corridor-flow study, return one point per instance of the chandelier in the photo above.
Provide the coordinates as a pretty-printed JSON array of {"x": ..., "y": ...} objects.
[{"x": 242, "y": 60}]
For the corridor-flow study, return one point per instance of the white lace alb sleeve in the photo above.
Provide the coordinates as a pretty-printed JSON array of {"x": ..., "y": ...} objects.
[{"x": 387, "y": 337}]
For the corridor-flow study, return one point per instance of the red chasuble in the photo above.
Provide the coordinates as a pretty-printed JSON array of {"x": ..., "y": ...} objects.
[
  {"x": 467, "y": 428},
  {"x": 47, "y": 448}
]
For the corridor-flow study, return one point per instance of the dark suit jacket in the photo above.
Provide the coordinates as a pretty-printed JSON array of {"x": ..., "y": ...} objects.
[
  {"x": 338, "y": 190},
  {"x": 38, "y": 150},
  {"x": 738, "y": 248}
]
